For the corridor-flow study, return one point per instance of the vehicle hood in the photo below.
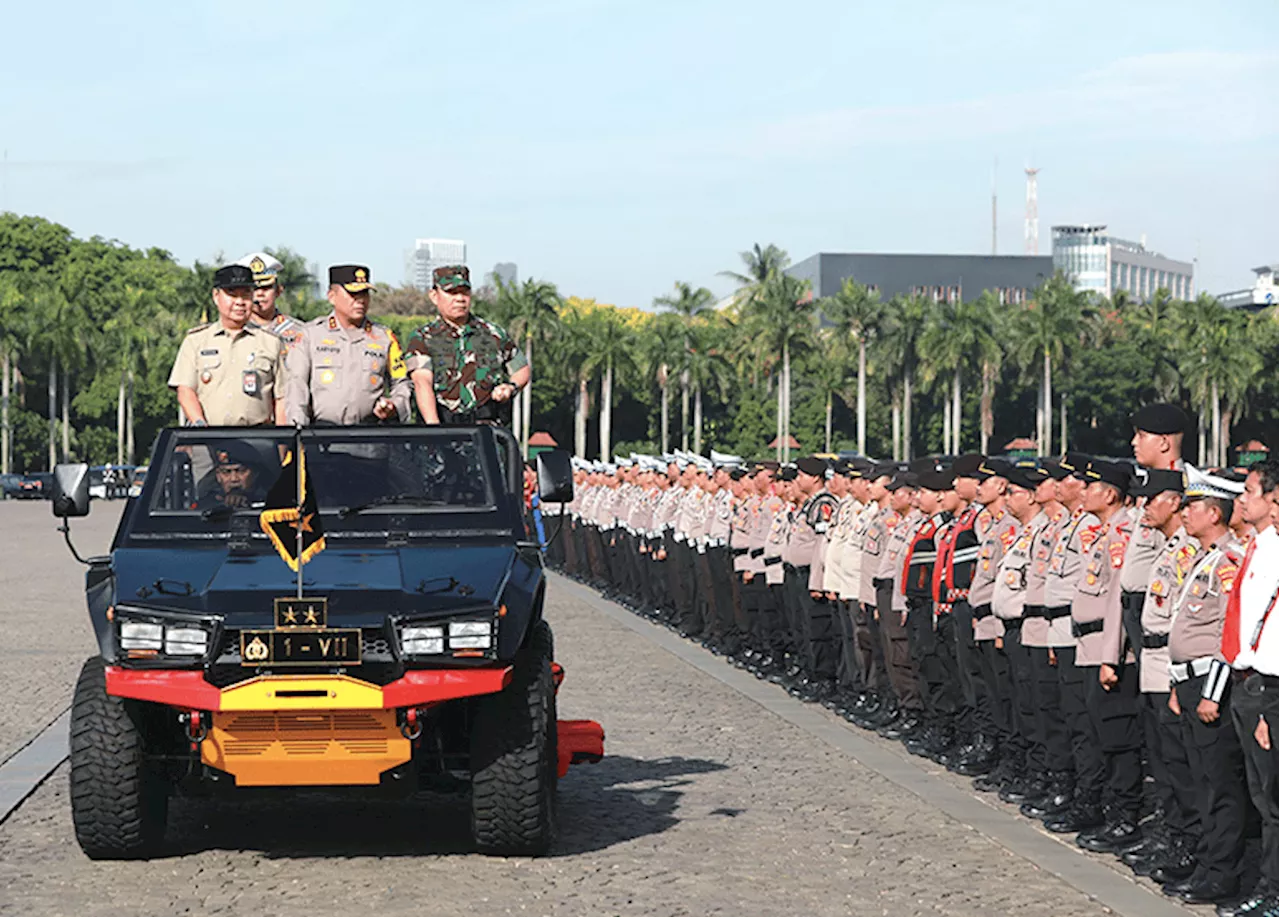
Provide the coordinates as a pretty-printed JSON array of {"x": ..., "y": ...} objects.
[{"x": 362, "y": 586}]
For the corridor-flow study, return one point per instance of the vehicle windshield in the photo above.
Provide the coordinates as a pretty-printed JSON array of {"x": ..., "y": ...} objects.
[{"x": 213, "y": 474}]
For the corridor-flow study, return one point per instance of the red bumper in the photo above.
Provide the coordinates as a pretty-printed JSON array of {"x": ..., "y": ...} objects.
[
  {"x": 190, "y": 691},
  {"x": 578, "y": 742}
]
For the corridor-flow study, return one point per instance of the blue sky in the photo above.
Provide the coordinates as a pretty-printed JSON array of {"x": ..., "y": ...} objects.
[{"x": 615, "y": 148}]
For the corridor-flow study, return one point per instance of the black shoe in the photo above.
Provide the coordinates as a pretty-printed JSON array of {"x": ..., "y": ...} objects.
[
  {"x": 1253, "y": 906},
  {"x": 888, "y": 713},
  {"x": 1024, "y": 788},
  {"x": 1055, "y": 801},
  {"x": 982, "y": 760},
  {"x": 904, "y": 725},
  {"x": 1177, "y": 868},
  {"x": 1110, "y": 838},
  {"x": 1210, "y": 892},
  {"x": 1078, "y": 817}
]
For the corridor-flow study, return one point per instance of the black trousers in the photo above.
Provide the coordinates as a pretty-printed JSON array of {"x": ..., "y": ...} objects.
[
  {"x": 878, "y": 679},
  {"x": 1086, "y": 754},
  {"x": 1019, "y": 693},
  {"x": 998, "y": 689},
  {"x": 848, "y": 670},
  {"x": 1255, "y": 698},
  {"x": 903, "y": 676},
  {"x": 817, "y": 627},
  {"x": 933, "y": 647},
  {"x": 1117, "y": 728},
  {"x": 1052, "y": 733},
  {"x": 1170, "y": 768},
  {"x": 1217, "y": 767},
  {"x": 969, "y": 667}
]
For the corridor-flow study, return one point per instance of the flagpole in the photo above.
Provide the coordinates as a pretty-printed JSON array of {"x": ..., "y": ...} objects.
[{"x": 297, "y": 454}]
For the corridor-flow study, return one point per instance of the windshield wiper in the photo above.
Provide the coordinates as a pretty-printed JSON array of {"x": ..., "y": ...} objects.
[{"x": 390, "y": 500}]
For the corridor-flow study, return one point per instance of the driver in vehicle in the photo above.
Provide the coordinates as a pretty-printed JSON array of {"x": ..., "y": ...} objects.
[{"x": 236, "y": 480}]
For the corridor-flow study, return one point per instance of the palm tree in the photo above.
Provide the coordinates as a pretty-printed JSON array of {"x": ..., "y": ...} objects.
[
  {"x": 664, "y": 351},
  {"x": 779, "y": 313},
  {"x": 907, "y": 320},
  {"x": 13, "y": 321},
  {"x": 707, "y": 369},
  {"x": 690, "y": 305},
  {"x": 1044, "y": 333},
  {"x": 829, "y": 373},
  {"x": 1154, "y": 324},
  {"x": 760, "y": 262},
  {"x": 960, "y": 334},
  {"x": 531, "y": 312},
  {"x": 858, "y": 312},
  {"x": 610, "y": 352},
  {"x": 1215, "y": 365}
]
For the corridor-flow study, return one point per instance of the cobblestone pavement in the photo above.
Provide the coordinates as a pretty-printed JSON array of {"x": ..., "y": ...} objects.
[
  {"x": 46, "y": 627},
  {"x": 705, "y": 804}
]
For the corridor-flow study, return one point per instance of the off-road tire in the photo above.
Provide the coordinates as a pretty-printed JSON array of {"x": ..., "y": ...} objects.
[
  {"x": 119, "y": 802},
  {"x": 513, "y": 757}
]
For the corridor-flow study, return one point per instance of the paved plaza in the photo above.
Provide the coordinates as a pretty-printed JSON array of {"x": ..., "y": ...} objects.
[{"x": 719, "y": 795}]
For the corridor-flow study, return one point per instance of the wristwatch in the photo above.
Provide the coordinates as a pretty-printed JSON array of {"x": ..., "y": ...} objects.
[{"x": 197, "y": 423}]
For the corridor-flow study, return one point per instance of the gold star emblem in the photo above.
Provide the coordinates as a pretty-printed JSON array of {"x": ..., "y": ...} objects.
[
  {"x": 303, "y": 524},
  {"x": 290, "y": 616}
]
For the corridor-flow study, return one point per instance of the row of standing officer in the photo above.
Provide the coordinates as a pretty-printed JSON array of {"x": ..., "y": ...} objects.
[{"x": 1037, "y": 625}]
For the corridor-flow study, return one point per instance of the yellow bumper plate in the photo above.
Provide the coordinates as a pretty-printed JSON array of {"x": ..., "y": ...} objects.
[{"x": 302, "y": 692}]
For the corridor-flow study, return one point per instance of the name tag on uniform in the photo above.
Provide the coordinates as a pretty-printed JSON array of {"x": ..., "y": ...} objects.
[
  {"x": 249, "y": 381},
  {"x": 213, "y": 352}
]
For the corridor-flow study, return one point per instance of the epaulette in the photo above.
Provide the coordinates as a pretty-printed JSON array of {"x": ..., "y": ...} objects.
[{"x": 199, "y": 327}]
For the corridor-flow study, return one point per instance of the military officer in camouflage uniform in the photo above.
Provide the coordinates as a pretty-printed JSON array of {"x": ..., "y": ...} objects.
[
  {"x": 346, "y": 369},
  {"x": 464, "y": 369},
  {"x": 230, "y": 372},
  {"x": 266, "y": 290}
]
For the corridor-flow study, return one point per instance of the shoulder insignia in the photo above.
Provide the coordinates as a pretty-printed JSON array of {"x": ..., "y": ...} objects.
[
  {"x": 1182, "y": 562},
  {"x": 1227, "y": 572},
  {"x": 1116, "y": 550},
  {"x": 1007, "y": 534},
  {"x": 1089, "y": 534},
  {"x": 199, "y": 327}
]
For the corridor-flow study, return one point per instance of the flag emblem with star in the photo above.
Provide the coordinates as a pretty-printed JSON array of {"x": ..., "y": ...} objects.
[{"x": 290, "y": 507}]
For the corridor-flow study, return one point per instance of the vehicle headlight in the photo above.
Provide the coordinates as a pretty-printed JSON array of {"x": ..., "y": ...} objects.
[
  {"x": 141, "y": 635},
  {"x": 422, "y": 641},
  {"x": 470, "y": 635},
  {"x": 185, "y": 641}
]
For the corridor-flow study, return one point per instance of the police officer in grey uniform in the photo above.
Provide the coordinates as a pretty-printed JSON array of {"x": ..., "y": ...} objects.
[{"x": 346, "y": 369}]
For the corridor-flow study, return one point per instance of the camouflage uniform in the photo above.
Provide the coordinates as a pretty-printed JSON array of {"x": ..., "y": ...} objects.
[{"x": 467, "y": 361}]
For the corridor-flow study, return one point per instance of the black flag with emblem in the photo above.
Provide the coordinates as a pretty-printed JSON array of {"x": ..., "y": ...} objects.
[{"x": 291, "y": 511}]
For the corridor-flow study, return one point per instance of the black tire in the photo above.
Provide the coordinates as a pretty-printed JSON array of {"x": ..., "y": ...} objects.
[
  {"x": 119, "y": 803},
  {"x": 513, "y": 758}
]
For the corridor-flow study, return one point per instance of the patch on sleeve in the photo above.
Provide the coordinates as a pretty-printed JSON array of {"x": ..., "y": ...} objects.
[
  {"x": 1116, "y": 549},
  {"x": 1227, "y": 574}
]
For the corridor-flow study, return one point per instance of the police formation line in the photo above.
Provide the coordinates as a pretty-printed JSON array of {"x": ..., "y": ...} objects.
[
  {"x": 253, "y": 365},
  {"x": 1092, "y": 640}
]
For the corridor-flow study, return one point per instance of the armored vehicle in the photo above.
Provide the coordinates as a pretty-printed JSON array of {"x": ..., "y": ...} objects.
[{"x": 326, "y": 607}]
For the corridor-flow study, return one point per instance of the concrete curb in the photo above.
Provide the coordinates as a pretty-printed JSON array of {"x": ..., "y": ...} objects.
[{"x": 28, "y": 767}]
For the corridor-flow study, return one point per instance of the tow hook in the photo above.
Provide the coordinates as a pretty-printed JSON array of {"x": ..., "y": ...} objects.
[
  {"x": 410, "y": 724},
  {"x": 196, "y": 724}
]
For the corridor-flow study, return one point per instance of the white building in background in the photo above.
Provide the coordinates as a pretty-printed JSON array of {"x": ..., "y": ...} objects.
[
  {"x": 1100, "y": 263},
  {"x": 1264, "y": 292},
  {"x": 429, "y": 254}
]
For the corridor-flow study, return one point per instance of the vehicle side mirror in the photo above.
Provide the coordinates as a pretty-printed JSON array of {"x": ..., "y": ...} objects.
[
  {"x": 71, "y": 490},
  {"x": 555, "y": 476}
]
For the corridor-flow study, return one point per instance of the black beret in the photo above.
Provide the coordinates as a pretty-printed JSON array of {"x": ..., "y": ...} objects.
[
  {"x": 1147, "y": 482},
  {"x": 737, "y": 474},
  {"x": 232, "y": 277},
  {"x": 1159, "y": 418},
  {"x": 787, "y": 473},
  {"x": 969, "y": 465},
  {"x": 883, "y": 470},
  {"x": 938, "y": 480},
  {"x": 903, "y": 479},
  {"x": 1113, "y": 473},
  {"x": 812, "y": 466},
  {"x": 1076, "y": 463},
  {"x": 1027, "y": 475},
  {"x": 921, "y": 465},
  {"x": 995, "y": 467},
  {"x": 769, "y": 465},
  {"x": 1055, "y": 469},
  {"x": 236, "y": 452}
]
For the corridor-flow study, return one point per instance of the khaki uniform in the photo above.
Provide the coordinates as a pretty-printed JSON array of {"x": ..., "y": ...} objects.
[
  {"x": 874, "y": 543},
  {"x": 1075, "y": 541},
  {"x": 337, "y": 374},
  {"x": 237, "y": 375},
  {"x": 1095, "y": 608},
  {"x": 1008, "y": 599},
  {"x": 1002, "y": 532},
  {"x": 1035, "y": 630},
  {"x": 1200, "y": 605}
]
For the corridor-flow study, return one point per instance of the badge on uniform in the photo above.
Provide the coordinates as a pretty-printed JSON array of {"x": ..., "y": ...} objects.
[
  {"x": 206, "y": 377},
  {"x": 249, "y": 381}
]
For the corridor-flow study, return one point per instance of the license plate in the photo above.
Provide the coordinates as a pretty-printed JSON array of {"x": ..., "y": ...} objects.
[{"x": 318, "y": 647}]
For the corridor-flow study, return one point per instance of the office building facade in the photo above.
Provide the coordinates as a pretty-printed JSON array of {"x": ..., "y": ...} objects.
[
  {"x": 943, "y": 278},
  {"x": 1098, "y": 262},
  {"x": 1264, "y": 293},
  {"x": 429, "y": 254}
]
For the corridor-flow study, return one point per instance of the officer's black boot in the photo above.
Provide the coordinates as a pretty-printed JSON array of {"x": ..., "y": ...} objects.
[
  {"x": 1056, "y": 799},
  {"x": 1119, "y": 830},
  {"x": 1024, "y": 787}
]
